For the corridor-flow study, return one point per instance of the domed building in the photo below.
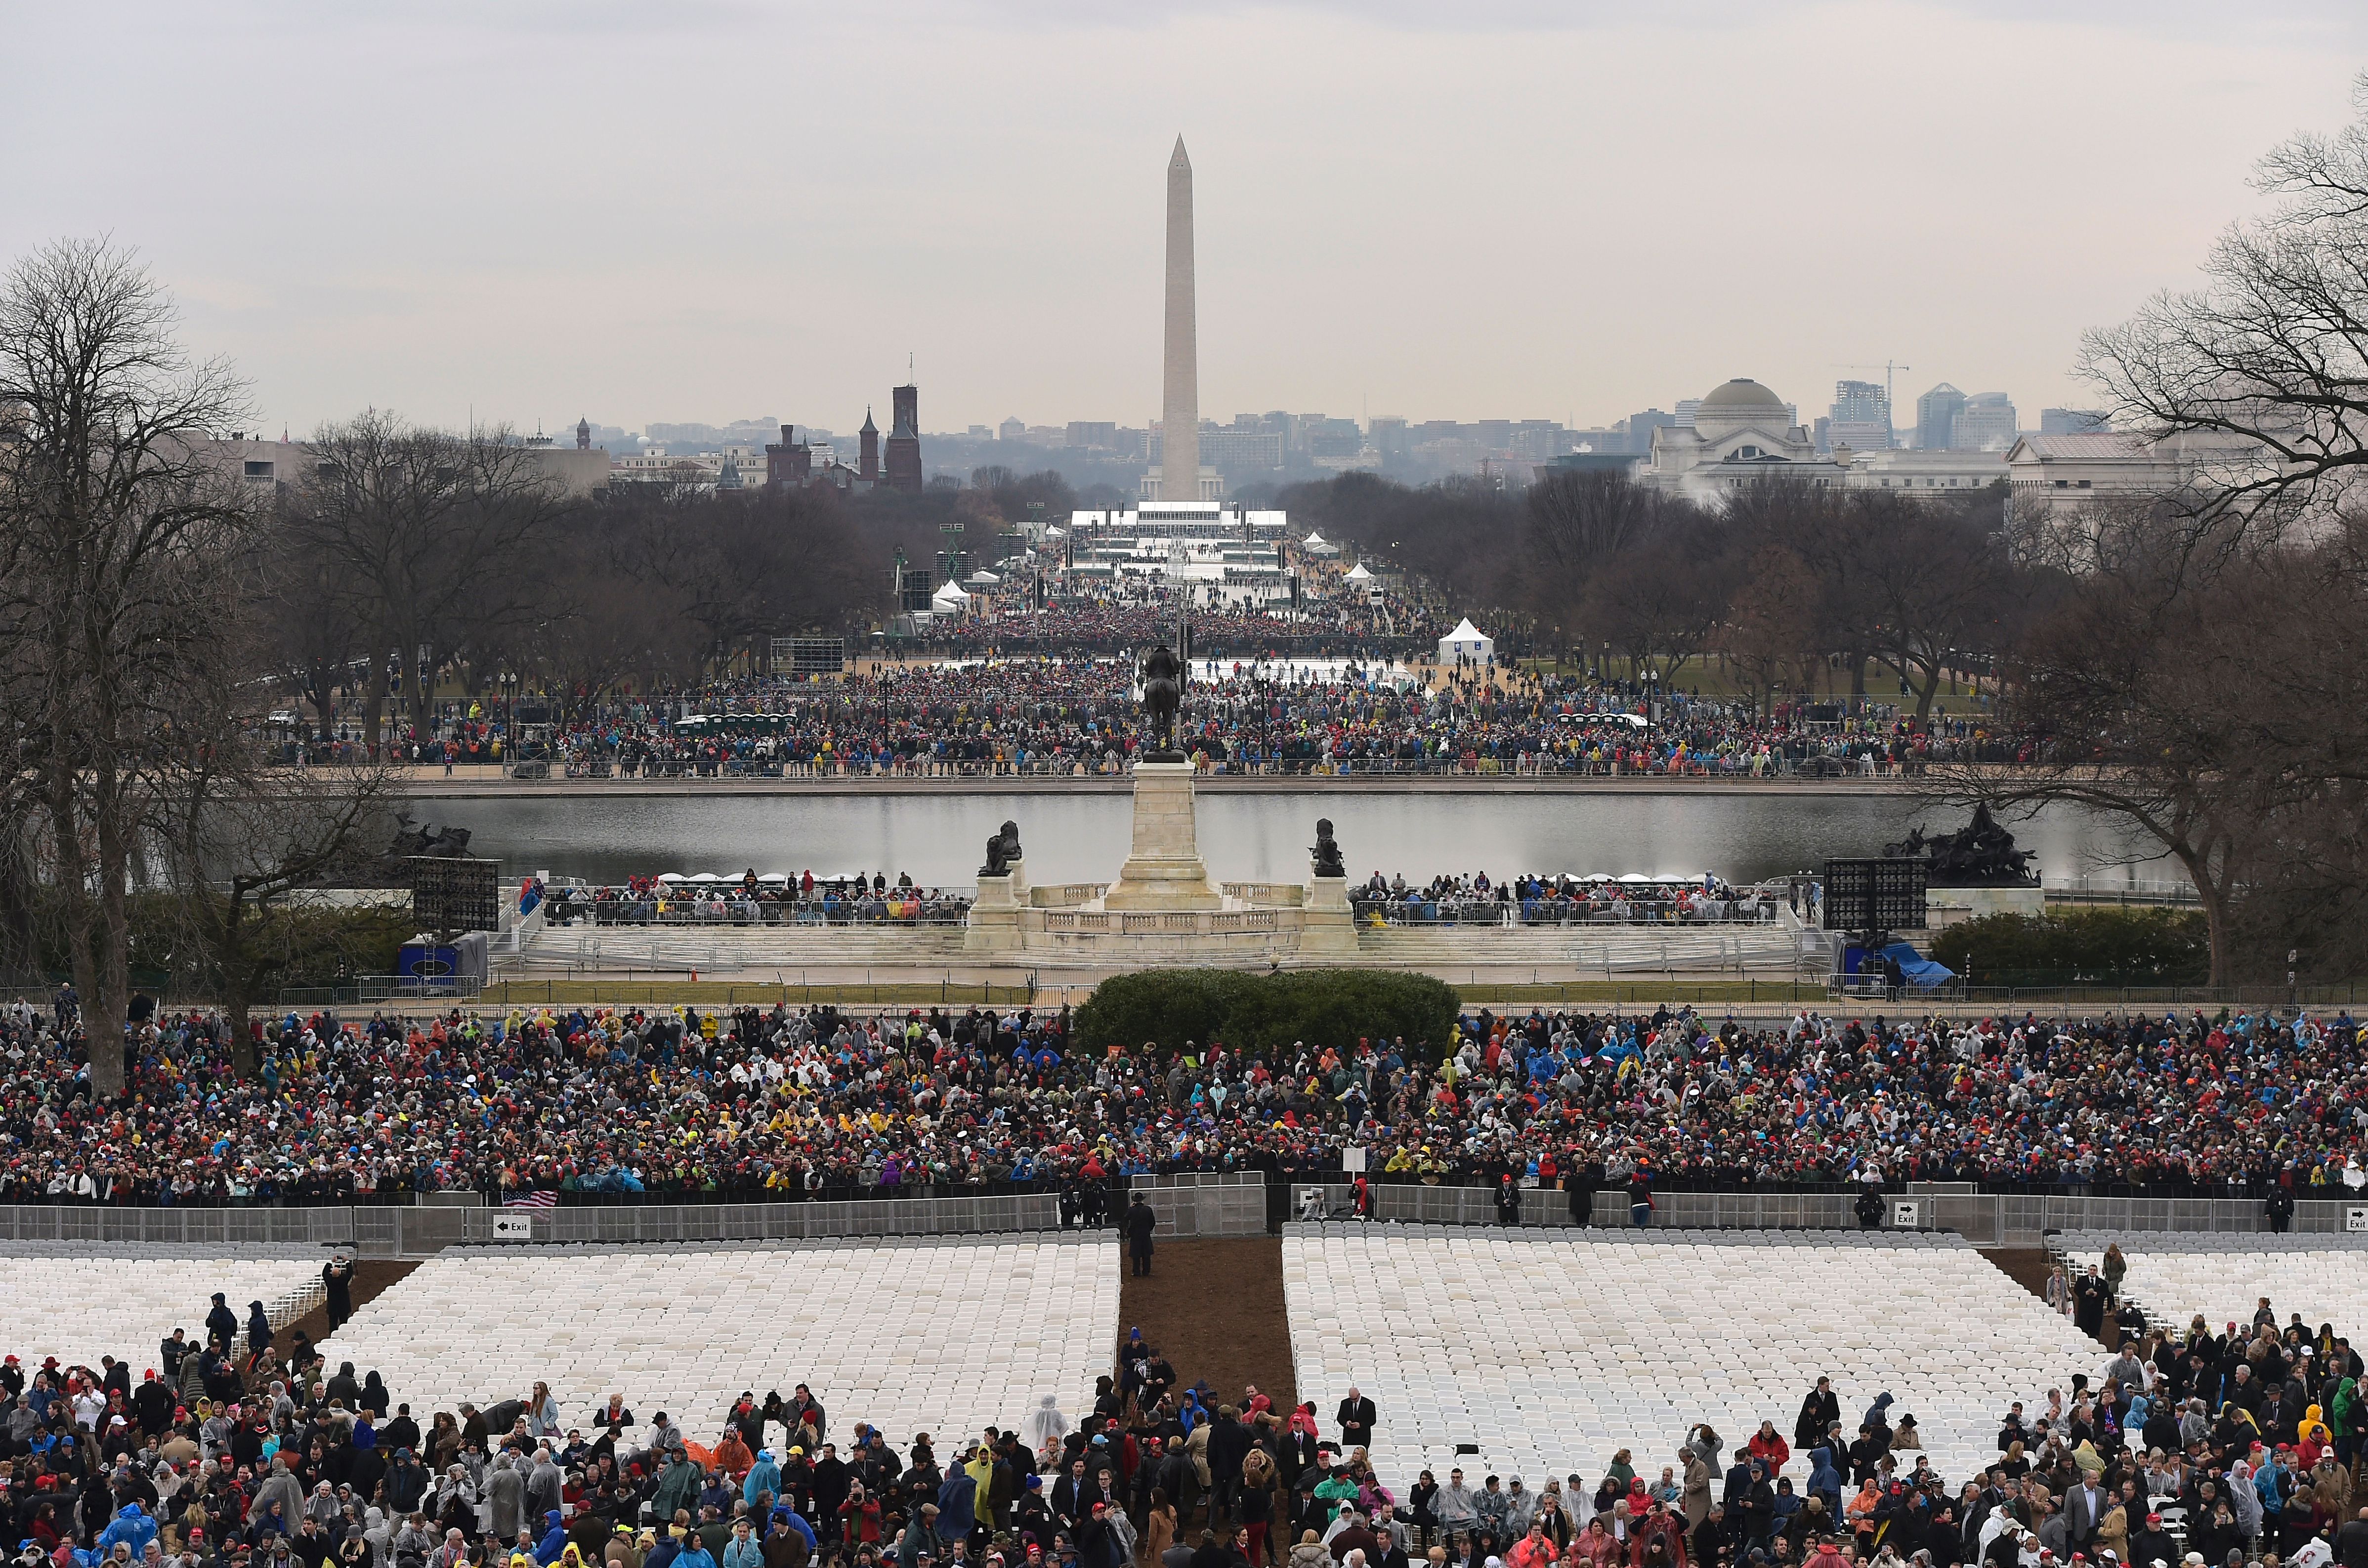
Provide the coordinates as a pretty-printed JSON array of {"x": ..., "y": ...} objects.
[{"x": 1742, "y": 432}]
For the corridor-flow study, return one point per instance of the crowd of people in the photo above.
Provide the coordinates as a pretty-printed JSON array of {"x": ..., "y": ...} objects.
[
  {"x": 1334, "y": 622},
  {"x": 774, "y": 899},
  {"x": 1537, "y": 900},
  {"x": 2194, "y": 1448},
  {"x": 1043, "y": 716},
  {"x": 785, "y": 1104}
]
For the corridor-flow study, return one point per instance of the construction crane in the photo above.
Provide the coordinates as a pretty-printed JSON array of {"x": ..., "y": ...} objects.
[{"x": 1887, "y": 367}]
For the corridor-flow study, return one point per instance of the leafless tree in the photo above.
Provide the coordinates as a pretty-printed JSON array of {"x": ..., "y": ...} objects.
[
  {"x": 117, "y": 540},
  {"x": 245, "y": 844},
  {"x": 1575, "y": 525},
  {"x": 443, "y": 538},
  {"x": 1935, "y": 582},
  {"x": 2262, "y": 374},
  {"x": 2153, "y": 698},
  {"x": 1769, "y": 628}
]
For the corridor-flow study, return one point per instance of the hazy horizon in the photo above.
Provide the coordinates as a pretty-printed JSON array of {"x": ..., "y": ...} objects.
[{"x": 710, "y": 211}]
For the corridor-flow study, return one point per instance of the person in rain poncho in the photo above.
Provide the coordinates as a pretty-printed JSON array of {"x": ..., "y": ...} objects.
[
  {"x": 1044, "y": 1426},
  {"x": 764, "y": 1478}
]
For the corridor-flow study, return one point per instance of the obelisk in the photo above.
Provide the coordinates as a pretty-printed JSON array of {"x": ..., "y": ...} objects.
[{"x": 1179, "y": 409}]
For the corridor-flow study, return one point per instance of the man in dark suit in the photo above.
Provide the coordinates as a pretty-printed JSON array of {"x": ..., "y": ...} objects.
[
  {"x": 1075, "y": 1495},
  {"x": 1140, "y": 1224},
  {"x": 1356, "y": 1416},
  {"x": 2085, "y": 1507}
]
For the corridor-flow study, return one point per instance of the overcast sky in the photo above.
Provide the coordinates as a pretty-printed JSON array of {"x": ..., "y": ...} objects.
[{"x": 710, "y": 210}]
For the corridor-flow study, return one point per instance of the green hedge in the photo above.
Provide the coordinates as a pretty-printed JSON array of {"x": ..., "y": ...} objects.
[
  {"x": 2107, "y": 946},
  {"x": 1320, "y": 1007}
]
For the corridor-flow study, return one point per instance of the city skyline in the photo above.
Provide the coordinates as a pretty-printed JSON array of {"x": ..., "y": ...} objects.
[{"x": 1470, "y": 223}]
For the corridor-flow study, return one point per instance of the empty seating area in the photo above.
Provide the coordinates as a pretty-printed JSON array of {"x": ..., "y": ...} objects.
[
  {"x": 1553, "y": 1349},
  {"x": 942, "y": 1337},
  {"x": 79, "y": 1302},
  {"x": 2174, "y": 1276}
]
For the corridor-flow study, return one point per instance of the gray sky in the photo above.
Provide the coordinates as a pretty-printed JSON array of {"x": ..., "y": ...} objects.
[{"x": 709, "y": 210}]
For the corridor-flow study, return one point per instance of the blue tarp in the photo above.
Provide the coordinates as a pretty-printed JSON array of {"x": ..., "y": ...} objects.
[{"x": 1921, "y": 972}]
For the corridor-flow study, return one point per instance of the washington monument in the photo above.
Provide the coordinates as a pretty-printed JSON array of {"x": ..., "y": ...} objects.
[{"x": 1179, "y": 413}]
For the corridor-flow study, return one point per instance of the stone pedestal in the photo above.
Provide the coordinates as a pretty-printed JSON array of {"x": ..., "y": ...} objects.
[
  {"x": 1327, "y": 927},
  {"x": 1164, "y": 871},
  {"x": 993, "y": 923}
]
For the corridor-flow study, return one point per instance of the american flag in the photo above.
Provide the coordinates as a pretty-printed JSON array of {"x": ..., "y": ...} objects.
[{"x": 542, "y": 1197}]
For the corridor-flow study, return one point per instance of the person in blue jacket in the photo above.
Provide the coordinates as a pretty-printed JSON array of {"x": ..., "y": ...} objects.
[
  {"x": 764, "y": 1479},
  {"x": 133, "y": 1527},
  {"x": 554, "y": 1539},
  {"x": 1825, "y": 1481}
]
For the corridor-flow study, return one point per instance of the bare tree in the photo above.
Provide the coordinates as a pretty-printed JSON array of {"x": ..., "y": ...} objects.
[
  {"x": 2262, "y": 376},
  {"x": 2151, "y": 697},
  {"x": 1575, "y": 525},
  {"x": 116, "y": 539},
  {"x": 1658, "y": 601},
  {"x": 442, "y": 536},
  {"x": 1935, "y": 584},
  {"x": 1771, "y": 626},
  {"x": 244, "y": 846}
]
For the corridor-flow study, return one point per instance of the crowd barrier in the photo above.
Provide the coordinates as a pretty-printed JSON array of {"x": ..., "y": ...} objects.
[
  {"x": 175, "y": 1227},
  {"x": 1190, "y": 1206},
  {"x": 689, "y": 909},
  {"x": 1631, "y": 913},
  {"x": 1983, "y": 1218}
]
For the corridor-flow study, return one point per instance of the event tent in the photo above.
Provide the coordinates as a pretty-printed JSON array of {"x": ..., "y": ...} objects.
[{"x": 1467, "y": 641}]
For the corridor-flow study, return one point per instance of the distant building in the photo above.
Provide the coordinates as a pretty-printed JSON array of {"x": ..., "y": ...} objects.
[
  {"x": 1087, "y": 433},
  {"x": 1239, "y": 451},
  {"x": 1740, "y": 433},
  {"x": 2073, "y": 421},
  {"x": 903, "y": 455},
  {"x": 1640, "y": 428},
  {"x": 1936, "y": 417},
  {"x": 1591, "y": 462},
  {"x": 1012, "y": 430},
  {"x": 1686, "y": 406},
  {"x": 2052, "y": 473},
  {"x": 1860, "y": 418},
  {"x": 577, "y": 471},
  {"x": 788, "y": 461},
  {"x": 1986, "y": 424},
  {"x": 1933, "y": 475},
  {"x": 867, "y": 459}
]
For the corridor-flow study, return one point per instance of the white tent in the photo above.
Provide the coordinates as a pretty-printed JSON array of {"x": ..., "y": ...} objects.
[
  {"x": 1467, "y": 641},
  {"x": 1316, "y": 544},
  {"x": 1357, "y": 573},
  {"x": 948, "y": 599}
]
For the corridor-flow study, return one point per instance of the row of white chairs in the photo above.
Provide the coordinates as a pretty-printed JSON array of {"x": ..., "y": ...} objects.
[
  {"x": 946, "y": 1335},
  {"x": 82, "y": 1303},
  {"x": 2175, "y": 1277},
  {"x": 1551, "y": 1351}
]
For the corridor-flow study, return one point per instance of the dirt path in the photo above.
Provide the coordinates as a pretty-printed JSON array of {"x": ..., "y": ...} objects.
[{"x": 1215, "y": 1307}]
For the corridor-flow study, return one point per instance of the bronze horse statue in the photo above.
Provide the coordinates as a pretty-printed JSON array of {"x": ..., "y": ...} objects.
[{"x": 1163, "y": 694}]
